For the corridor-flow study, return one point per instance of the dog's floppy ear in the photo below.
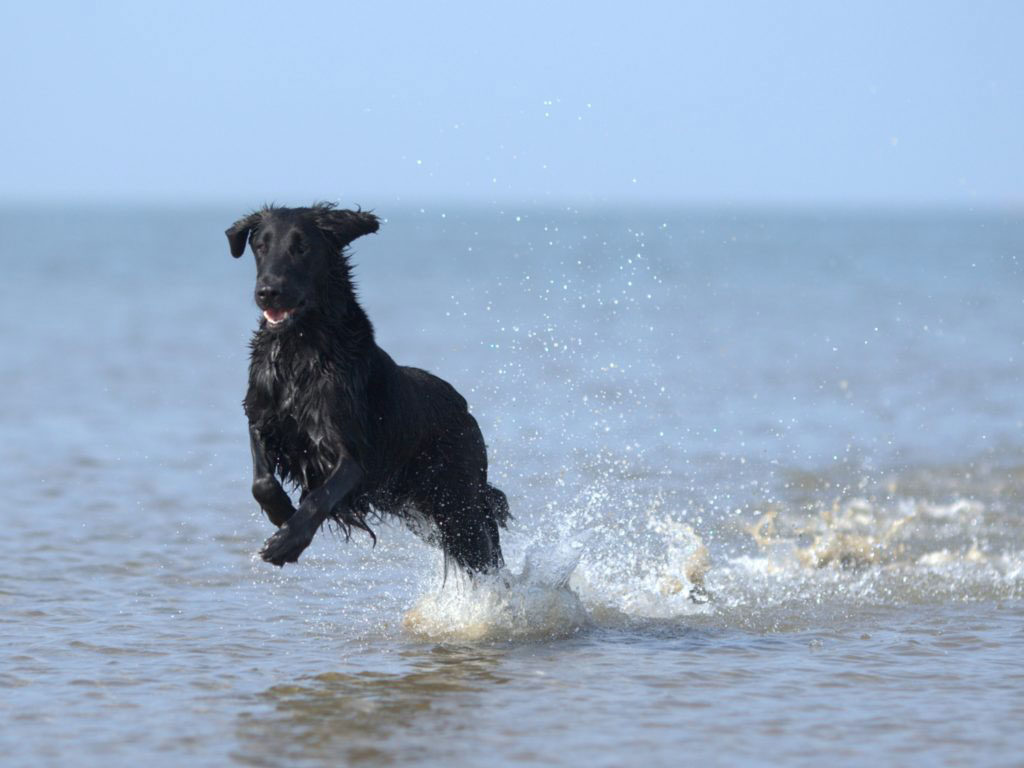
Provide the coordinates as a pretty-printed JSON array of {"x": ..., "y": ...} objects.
[
  {"x": 341, "y": 227},
  {"x": 238, "y": 233}
]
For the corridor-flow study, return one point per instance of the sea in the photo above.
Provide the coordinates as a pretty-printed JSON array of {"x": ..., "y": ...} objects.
[{"x": 765, "y": 466}]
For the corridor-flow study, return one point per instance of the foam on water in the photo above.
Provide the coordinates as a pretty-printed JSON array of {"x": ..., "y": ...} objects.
[
  {"x": 858, "y": 533},
  {"x": 859, "y": 553},
  {"x": 536, "y": 603},
  {"x": 555, "y": 595},
  {"x": 791, "y": 566}
]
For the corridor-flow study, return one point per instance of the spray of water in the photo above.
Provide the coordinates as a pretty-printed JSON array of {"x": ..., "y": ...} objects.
[{"x": 793, "y": 567}]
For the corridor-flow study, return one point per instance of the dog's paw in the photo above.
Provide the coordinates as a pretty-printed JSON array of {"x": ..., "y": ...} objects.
[{"x": 285, "y": 546}]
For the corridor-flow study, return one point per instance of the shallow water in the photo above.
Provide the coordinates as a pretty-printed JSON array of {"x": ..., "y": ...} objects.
[{"x": 767, "y": 473}]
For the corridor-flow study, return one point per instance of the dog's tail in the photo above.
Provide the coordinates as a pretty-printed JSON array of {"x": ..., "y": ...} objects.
[{"x": 499, "y": 505}]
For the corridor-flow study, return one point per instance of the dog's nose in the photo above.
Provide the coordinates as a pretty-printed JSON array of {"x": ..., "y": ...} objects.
[{"x": 267, "y": 293}]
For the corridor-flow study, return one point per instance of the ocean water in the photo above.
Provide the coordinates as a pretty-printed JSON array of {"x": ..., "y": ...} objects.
[{"x": 766, "y": 468}]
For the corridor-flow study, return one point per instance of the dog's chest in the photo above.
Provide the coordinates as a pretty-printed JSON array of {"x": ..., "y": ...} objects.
[
  {"x": 299, "y": 409},
  {"x": 299, "y": 395}
]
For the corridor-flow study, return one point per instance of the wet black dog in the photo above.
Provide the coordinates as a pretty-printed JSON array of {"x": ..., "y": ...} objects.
[{"x": 330, "y": 412}]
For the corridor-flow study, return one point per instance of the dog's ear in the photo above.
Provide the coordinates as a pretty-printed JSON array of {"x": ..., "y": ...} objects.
[
  {"x": 238, "y": 233},
  {"x": 341, "y": 227}
]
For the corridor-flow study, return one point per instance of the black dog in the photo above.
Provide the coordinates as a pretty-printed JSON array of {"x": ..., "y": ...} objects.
[{"x": 331, "y": 412}]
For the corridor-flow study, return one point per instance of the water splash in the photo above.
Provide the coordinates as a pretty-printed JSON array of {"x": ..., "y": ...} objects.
[
  {"x": 662, "y": 576},
  {"x": 535, "y": 604},
  {"x": 572, "y": 584},
  {"x": 794, "y": 568},
  {"x": 858, "y": 533}
]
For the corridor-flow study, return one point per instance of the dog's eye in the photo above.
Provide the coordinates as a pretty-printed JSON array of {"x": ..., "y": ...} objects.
[{"x": 259, "y": 249}]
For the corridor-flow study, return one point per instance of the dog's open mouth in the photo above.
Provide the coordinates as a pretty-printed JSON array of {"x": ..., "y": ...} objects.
[{"x": 278, "y": 316}]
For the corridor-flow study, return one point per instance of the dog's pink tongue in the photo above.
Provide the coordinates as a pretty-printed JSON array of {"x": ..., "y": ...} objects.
[{"x": 275, "y": 315}]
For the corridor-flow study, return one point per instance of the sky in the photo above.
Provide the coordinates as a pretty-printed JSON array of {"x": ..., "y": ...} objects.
[{"x": 776, "y": 103}]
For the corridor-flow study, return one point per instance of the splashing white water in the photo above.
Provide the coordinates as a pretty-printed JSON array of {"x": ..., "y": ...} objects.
[
  {"x": 534, "y": 604},
  {"x": 556, "y": 595},
  {"x": 662, "y": 578},
  {"x": 656, "y": 567}
]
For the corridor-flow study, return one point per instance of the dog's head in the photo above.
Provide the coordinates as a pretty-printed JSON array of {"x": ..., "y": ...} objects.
[{"x": 298, "y": 252}]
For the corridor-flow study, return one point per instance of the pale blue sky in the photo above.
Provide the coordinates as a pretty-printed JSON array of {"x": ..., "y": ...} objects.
[{"x": 858, "y": 103}]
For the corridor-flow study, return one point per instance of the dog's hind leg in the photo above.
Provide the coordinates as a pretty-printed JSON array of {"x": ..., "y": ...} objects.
[
  {"x": 294, "y": 536},
  {"x": 265, "y": 487},
  {"x": 469, "y": 531}
]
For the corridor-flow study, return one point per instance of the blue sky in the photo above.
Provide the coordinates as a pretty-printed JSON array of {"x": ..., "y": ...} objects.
[{"x": 896, "y": 103}]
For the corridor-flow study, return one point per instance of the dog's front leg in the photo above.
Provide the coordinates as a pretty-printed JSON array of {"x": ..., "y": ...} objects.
[
  {"x": 265, "y": 487},
  {"x": 287, "y": 544}
]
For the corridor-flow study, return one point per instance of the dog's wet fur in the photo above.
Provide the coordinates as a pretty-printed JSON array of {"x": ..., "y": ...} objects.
[{"x": 332, "y": 414}]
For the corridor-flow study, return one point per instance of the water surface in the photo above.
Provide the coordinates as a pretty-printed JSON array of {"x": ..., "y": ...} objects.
[{"x": 767, "y": 473}]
